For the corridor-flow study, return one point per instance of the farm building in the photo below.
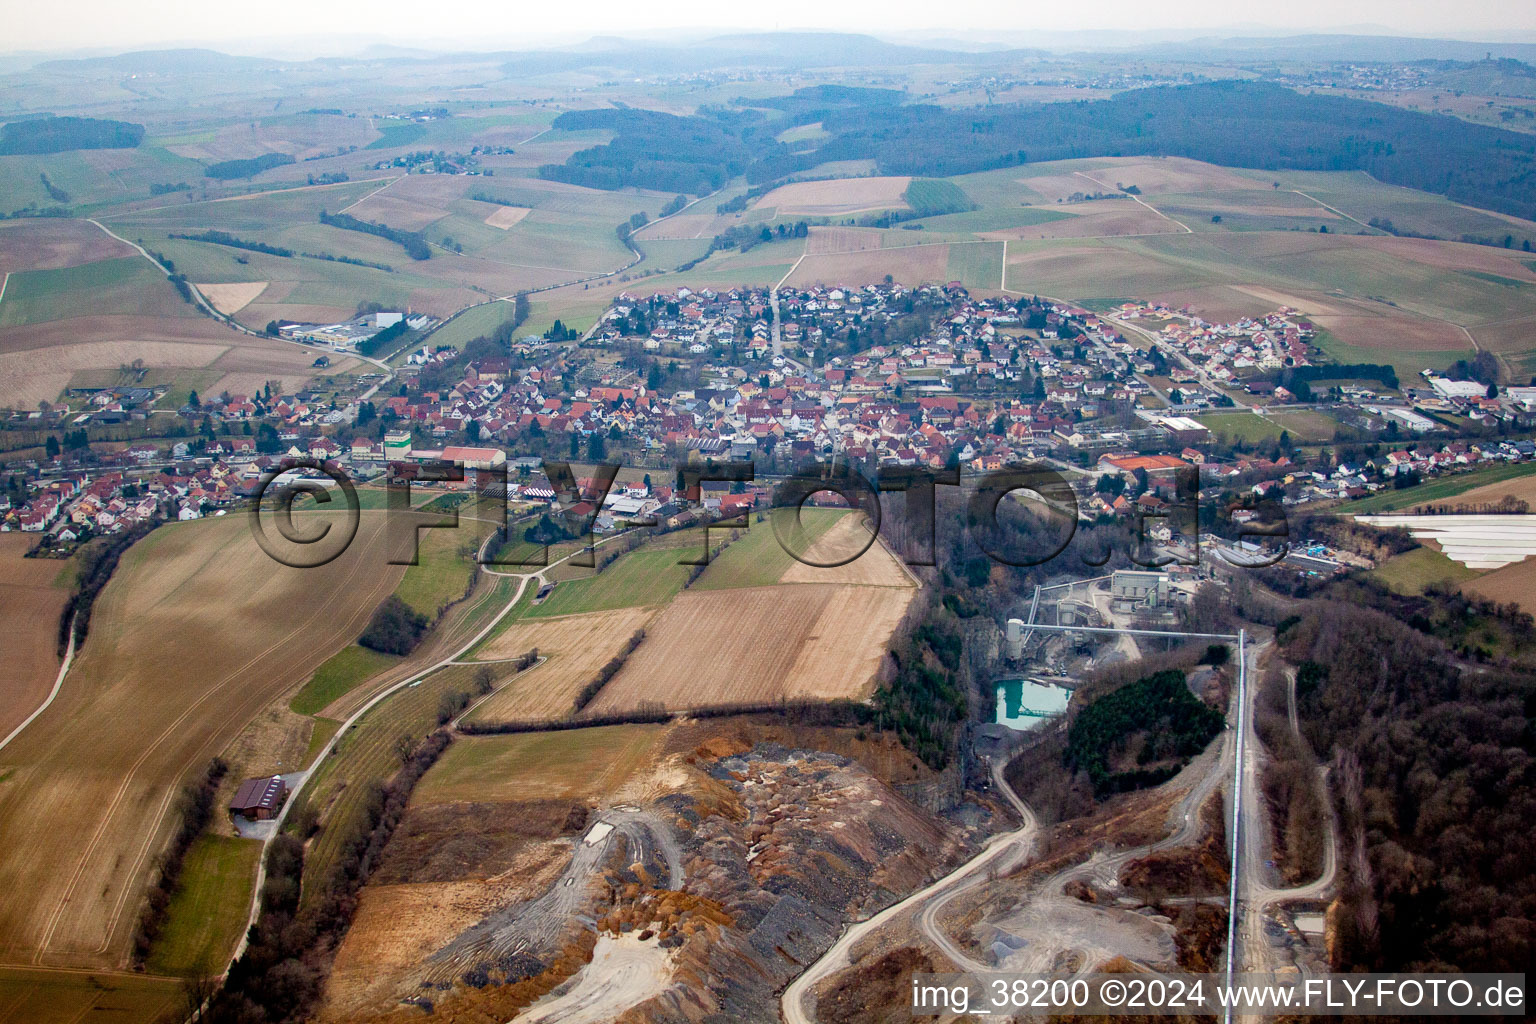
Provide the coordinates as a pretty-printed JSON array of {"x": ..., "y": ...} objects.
[{"x": 259, "y": 799}]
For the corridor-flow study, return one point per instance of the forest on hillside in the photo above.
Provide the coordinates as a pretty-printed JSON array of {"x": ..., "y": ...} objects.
[
  {"x": 62, "y": 134},
  {"x": 1434, "y": 783},
  {"x": 1234, "y": 124}
]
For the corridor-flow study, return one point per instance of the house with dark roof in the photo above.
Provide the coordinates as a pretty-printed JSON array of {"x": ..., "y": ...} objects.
[{"x": 259, "y": 799}]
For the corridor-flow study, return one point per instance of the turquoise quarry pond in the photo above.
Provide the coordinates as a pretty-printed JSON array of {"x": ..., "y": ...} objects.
[{"x": 1024, "y": 704}]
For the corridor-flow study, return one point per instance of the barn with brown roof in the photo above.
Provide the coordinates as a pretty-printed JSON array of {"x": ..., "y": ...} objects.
[{"x": 259, "y": 799}]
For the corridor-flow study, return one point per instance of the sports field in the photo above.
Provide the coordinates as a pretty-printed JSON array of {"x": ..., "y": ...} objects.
[{"x": 196, "y": 633}]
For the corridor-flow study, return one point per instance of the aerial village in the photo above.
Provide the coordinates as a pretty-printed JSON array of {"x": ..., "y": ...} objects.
[{"x": 875, "y": 375}]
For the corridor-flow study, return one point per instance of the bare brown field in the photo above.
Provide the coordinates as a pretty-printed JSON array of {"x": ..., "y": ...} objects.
[
  {"x": 1152, "y": 176},
  {"x": 505, "y": 217},
  {"x": 909, "y": 265},
  {"x": 837, "y": 196},
  {"x": 1394, "y": 332},
  {"x": 686, "y": 225},
  {"x": 52, "y": 243},
  {"x": 576, "y": 646},
  {"x": 1316, "y": 305},
  {"x": 397, "y": 927},
  {"x": 272, "y": 308},
  {"x": 37, "y": 360},
  {"x": 837, "y": 239},
  {"x": 1098, "y": 219},
  {"x": 233, "y": 297},
  {"x": 30, "y": 605},
  {"x": 1513, "y": 584},
  {"x": 876, "y": 567},
  {"x": 194, "y": 636},
  {"x": 757, "y": 644},
  {"x": 1222, "y": 302},
  {"x": 1450, "y": 255},
  {"x": 402, "y": 206}
]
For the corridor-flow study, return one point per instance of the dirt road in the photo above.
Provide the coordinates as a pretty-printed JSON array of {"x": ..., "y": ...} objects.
[
  {"x": 1004, "y": 851},
  {"x": 536, "y": 925}
]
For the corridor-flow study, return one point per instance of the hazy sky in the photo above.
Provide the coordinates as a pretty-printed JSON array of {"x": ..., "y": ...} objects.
[{"x": 484, "y": 23}]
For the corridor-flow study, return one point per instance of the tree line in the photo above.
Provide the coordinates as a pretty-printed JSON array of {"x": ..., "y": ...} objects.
[
  {"x": 414, "y": 244},
  {"x": 194, "y": 810}
]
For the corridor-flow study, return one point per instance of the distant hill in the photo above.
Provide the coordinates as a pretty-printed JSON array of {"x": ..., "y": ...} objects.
[
  {"x": 162, "y": 62},
  {"x": 1351, "y": 48},
  {"x": 789, "y": 50}
]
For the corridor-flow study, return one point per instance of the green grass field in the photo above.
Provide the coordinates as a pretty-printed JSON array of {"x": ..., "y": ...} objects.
[
  {"x": 1436, "y": 490},
  {"x": 1405, "y": 361},
  {"x": 338, "y": 675},
  {"x": 89, "y": 188},
  {"x": 472, "y": 323},
  {"x": 645, "y": 576},
  {"x": 445, "y": 564},
  {"x": 977, "y": 265},
  {"x": 319, "y": 735},
  {"x": 1243, "y": 426},
  {"x": 208, "y": 912},
  {"x": 1306, "y": 424},
  {"x": 992, "y": 219},
  {"x": 125, "y": 285},
  {"x": 932, "y": 197},
  {"x": 1412, "y": 571},
  {"x": 1361, "y": 196},
  {"x": 393, "y": 135},
  {"x": 568, "y": 764},
  {"x": 758, "y": 559},
  {"x": 43, "y": 996}
]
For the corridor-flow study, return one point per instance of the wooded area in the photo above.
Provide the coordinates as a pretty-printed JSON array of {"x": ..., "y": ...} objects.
[
  {"x": 1232, "y": 123},
  {"x": 62, "y": 134}
]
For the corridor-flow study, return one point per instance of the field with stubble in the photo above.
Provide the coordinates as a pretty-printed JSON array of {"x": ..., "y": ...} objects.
[
  {"x": 576, "y": 647},
  {"x": 31, "y": 600},
  {"x": 196, "y": 633},
  {"x": 759, "y": 644},
  {"x": 836, "y": 196}
]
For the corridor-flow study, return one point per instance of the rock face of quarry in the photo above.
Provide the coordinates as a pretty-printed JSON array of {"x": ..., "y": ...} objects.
[
  {"x": 717, "y": 892},
  {"x": 799, "y": 843}
]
